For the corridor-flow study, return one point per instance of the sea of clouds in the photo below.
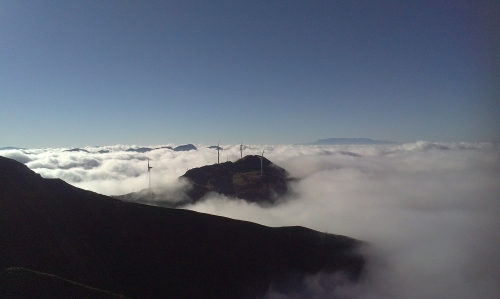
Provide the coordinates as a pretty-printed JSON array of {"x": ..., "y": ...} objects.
[{"x": 430, "y": 212}]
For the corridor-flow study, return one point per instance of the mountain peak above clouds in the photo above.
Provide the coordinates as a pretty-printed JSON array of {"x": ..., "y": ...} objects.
[
  {"x": 185, "y": 147},
  {"x": 241, "y": 179}
]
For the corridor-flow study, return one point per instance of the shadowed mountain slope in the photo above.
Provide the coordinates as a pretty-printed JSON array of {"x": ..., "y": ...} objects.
[{"x": 140, "y": 251}]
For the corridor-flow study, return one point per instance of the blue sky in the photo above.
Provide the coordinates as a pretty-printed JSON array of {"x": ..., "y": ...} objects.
[{"x": 77, "y": 73}]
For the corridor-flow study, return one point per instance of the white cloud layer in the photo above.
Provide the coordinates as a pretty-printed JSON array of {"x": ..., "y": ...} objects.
[{"x": 430, "y": 211}]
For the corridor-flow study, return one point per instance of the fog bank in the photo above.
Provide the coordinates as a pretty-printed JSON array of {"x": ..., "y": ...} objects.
[{"x": 428, "y": 210}]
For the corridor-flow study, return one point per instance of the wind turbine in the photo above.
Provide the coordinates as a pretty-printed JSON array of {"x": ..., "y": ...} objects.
[
  {"x": 241, "y": 150},
  {"x": 149, "y": 175},
  {"x": 261, "y": 168}
]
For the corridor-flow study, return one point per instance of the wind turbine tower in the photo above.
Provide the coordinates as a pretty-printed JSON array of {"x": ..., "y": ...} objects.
[
  {"x": 261, "y": 167},
  {"x": 241, "y": 150},
  {"x": 218, "y": 155},
  {"x": 149, "y": 175}
]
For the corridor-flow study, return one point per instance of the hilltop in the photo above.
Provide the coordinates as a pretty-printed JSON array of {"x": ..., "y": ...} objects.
[{"x": 241, "y": 179}]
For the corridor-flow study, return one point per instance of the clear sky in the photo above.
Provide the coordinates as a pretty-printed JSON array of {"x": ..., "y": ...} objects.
[{"x": 77, "y": 73}]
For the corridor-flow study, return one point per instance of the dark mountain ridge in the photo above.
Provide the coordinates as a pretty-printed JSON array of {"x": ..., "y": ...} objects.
[{"x": 141, "y": 251}]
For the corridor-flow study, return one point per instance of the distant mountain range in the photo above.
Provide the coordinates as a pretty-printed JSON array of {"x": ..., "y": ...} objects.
[
  {"x": 59, "y": 241},
  {"x": 11, "y": 148},
  {"x": 348, "y": 141},
  {"x": 180, "y": 148}
]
